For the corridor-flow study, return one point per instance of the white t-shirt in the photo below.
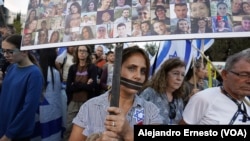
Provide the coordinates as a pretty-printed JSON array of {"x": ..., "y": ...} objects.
[
  {"x": 67, "y": 64},
  {"x": 212, "y": 107}
]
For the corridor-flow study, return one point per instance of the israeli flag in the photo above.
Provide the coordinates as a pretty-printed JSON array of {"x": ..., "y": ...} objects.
[
  {"x": 184, "y": 49},
  {"x": 201, "y": 45}
]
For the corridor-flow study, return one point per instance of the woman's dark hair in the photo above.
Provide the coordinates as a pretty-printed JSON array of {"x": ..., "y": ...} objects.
[
  {"x": 91, "y": 35},
  {"x": 16, "y": 40},
  {"x": 243, "y": 12},
  {"x": 177, "y": 30},
  {"x": 32, "y": 10},
  {"x": 88, "y": 3},
  {"x": 47, "y": 59},
  {"x": 88, "y": 60},
  {"x": 39, "y": 35},
  {"x": 159, "y": 81},
  {"x": 77, "y": 5},
  {"x": 160, "y": 7},
  {"x": 58, "y": 37},
  {"x": 128, "y": 52}
]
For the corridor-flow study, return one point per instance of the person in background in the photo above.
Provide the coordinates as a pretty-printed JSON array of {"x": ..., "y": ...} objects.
[
  {"x": 181, "y": 12},
  {"x": 245, "y": 8},
  {"x": 21, "y": 92},
  {"x": 74, "y": 17},
  {"x": 200, "y": 9},
  {"x": 50, "y": 124},
  {"x": 33, "y": 4},
  {"x": 5, "y": 31},
  {"x": 64, "y": 61},
  {"x": 87, "y": 33},
  {"x": 195, "y": 73},
  {"x": 94, "y": 118},
  {"x": 32, "y": 16},
  {"x": 222, "y": 9},
  {"x": 91, "y": 6},
  {"x": 236, "y": 7},
  {"x": 160, "y": 28},
  {"x": 107, "y": 73},
  {"x": 80, "y": 84},
  {"x": 160, "y": 14},
  {"x": 142, "y": 3},
  {"x": 124, "y": 17},
  {"x": 222, "y": 24},
  {"x": 165, "y": 90},
  {"x": 44, "y": 27},
  {"x": 143, "y": 13},
  {"x": 102, "y": 32},
  {"x": 202, "y": 26},
  {"x": 136, "y": 29},
  {"x": 55, "y": 37},
  {"x": 245, "y": 25},
  {"x": 159, "y": 2},
  {"x": 145, "y": 28},
  {"x": 100, "y": 60},
  {"x": 182, "y": 27},
  {"x": 122, "y": 31},
  {"x": 104, "y": 5},
  {"x": 42, "y": 37},
  {"x": 225, "y": 105},
  {"x": 27, "y": 40},
  {"x": 121, "y": 4},
  {"x": 30, "y": 26}
]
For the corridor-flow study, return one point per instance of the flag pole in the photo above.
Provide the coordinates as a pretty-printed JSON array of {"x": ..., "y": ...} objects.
[
  {"x": 115, "y": 90},
  {"x": 206, "y": 58},
  {"x": 194, "y": 77},
  {"x": 209, "y": 74},
  {"x": 202, "y": 50}
]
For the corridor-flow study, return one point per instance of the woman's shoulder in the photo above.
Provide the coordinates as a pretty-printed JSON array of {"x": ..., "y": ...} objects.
[{"x": 143, "y": 102}]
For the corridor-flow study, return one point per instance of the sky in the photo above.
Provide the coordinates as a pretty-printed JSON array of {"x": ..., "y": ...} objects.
[{"x": 17, "y": 5}]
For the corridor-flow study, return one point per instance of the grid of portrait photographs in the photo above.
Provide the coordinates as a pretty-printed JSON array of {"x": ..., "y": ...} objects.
[{"x": 54, "y": 21}]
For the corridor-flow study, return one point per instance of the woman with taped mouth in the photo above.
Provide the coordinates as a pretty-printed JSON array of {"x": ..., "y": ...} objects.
[{"x": 93, "y": 119}]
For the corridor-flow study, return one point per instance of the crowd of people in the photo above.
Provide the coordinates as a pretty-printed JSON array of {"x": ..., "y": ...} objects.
[{"x": 54, "y": 96}]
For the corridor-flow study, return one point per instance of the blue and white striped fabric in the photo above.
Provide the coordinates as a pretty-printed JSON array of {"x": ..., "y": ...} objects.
[
  {"x": 50, "y": 122},
  {"x": 184, "y": 49},
  {"x": 198, "y": 44}
]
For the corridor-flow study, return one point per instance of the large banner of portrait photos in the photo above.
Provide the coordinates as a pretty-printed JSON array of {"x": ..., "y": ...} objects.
[{"x": 53, "y": 22}]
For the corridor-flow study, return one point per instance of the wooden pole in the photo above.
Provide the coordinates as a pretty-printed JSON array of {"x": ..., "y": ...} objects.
[
  {"x": 206, "y": 58},
  {"x": 194, "y": 76}
]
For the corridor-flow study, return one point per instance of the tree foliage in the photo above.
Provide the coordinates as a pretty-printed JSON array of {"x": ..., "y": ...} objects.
[
  {"x": 222, "y": 48},
  {"x": 17, "y": 23}
]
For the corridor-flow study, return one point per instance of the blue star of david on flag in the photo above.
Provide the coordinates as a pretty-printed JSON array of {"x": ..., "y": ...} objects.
[
  {"x": 183, "y": 49},
  {"x": 173, "y": 55},
  {"x": 139, "y": 115}
]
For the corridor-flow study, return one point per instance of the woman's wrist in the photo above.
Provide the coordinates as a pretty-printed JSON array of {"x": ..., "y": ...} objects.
[{"x": 129, "y": 135}]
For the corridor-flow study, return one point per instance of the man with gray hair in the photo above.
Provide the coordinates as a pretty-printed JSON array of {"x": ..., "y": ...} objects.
[
  {"x": 228, "y": 104},
  {"x": 245, "y": 25}
]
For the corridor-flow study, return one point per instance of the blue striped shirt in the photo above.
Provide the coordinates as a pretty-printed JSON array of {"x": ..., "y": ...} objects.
[{"x": 92, "y": 114}]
